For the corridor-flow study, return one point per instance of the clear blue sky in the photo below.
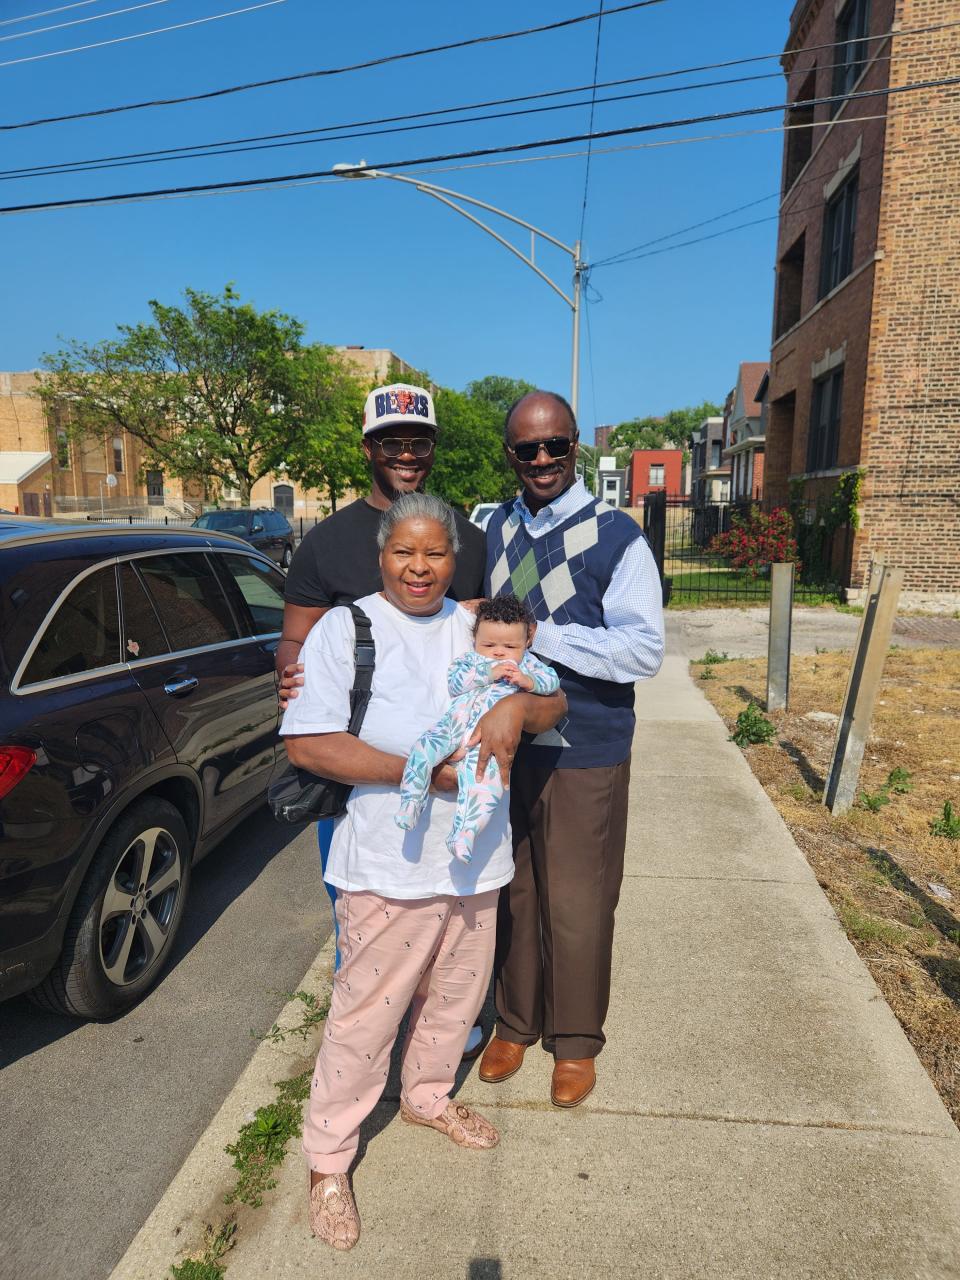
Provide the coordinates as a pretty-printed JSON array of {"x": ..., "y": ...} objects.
[{"x": 374, "y": 262}]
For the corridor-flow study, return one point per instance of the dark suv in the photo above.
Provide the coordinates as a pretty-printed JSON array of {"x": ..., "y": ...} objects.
[
  {"x": 138, "y": 725},
  {"x": 268, "y": 531}
]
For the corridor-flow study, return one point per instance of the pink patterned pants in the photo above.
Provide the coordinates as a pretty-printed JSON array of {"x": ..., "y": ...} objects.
[{"x": 434, "y": 955}]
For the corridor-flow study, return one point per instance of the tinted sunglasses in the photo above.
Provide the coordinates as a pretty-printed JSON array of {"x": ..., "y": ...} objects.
[
  {"x": 394, "y": 446},
  {"x": 529, "y": 451}
]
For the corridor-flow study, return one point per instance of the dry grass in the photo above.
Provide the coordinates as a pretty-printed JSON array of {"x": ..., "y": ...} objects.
[{"x": 876, "y": 867}]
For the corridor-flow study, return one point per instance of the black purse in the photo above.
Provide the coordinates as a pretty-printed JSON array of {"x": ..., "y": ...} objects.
[{"x": 300, "y": 796}]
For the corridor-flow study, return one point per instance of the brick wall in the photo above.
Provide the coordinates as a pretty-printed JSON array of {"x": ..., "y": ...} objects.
[{"x": 911, "y": 511}]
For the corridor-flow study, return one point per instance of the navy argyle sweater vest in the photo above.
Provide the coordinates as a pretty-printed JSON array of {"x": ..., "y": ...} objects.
[{"x": 563, "y": 575}]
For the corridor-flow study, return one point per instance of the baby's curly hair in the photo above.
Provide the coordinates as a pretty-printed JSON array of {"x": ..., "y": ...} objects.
[{"x": 506, "y": 609}]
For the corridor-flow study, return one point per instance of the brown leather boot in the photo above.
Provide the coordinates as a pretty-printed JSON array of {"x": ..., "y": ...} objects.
[
  {"x": 501, "y": 1060},
  {"x": 573, "y": 1080}
]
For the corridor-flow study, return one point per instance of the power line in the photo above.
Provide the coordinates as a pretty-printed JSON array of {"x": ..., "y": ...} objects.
[
  {"x": 75, "y": 22},
  {"x": 89, "y": 201},
  {"x": 141, "y": 35},
  {"x": 332, "y": 71},
  {"x": 593, "y": 107},
  {"x": 46, "y": 13},
  {"x": 265, "y": 142}
]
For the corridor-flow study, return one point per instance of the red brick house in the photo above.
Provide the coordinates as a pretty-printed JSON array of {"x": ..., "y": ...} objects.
[
  {"x": 865, "y": 364},
  {"x": 653, "y": 469},
  {"x": 743, "y": 433}
]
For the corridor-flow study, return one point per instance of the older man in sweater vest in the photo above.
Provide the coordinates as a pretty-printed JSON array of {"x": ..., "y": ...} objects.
[{"x": 590, "y": 580}]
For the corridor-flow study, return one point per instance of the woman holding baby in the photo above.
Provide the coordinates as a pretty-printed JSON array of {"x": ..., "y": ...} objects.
[{"x": 417, "y": 919}]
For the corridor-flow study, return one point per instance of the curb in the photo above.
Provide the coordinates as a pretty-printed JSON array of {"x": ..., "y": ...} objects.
[{"x": 195, "y": 1196}]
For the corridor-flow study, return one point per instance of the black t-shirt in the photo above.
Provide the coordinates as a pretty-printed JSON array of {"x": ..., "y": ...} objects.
[{"x": 338, "y": 560}]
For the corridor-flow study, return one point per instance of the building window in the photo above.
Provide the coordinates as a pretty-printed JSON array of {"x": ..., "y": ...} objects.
[
  {"x": 799, "y": 144},
  {"x": 714, "y": 455},
  {"x": 839, "y": 230},
  {"x": 63, "y": 450},
  {"x": 824, "y": 438},
  {"x": 118, "y": 455},
  {"x": 853, "y": 47},
  {"x": 656, "y": 473},
  {"x": 790, "y": 286}
]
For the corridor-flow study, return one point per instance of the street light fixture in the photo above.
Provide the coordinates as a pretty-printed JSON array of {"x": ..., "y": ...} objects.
[{"x": 450, "y": 198}]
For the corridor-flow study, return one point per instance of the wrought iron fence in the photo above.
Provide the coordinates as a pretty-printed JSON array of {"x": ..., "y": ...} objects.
[{"x": 682, "y": 535}]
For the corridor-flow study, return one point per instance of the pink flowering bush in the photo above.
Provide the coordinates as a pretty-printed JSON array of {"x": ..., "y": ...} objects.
[{"x": 757, "y": 540}]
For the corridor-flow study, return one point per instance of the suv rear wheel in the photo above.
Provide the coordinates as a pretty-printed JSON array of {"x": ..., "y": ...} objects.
[
  {"x": 287, "y": 556},
  {"x": 126, "y": 915}
]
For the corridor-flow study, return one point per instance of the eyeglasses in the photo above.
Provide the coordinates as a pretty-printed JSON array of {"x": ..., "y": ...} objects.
[
  {"x": 529, "y": 451},
  {"x": 394, "y": 446}
]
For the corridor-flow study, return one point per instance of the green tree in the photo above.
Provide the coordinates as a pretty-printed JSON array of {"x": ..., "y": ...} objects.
[
  {"x": 470, "y": 466},
  {"x": 205, "y": 388},
  {"x": 326, "y": 406},
  {"x": 498, "y": 392},
  {"x": 673, "y": 430}
]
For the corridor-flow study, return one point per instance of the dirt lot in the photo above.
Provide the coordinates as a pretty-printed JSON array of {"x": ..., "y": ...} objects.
[{"x": 893, "y": 882}]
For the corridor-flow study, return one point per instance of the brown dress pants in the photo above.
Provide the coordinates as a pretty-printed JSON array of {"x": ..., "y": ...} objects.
[{"x": 555, "y": 918}]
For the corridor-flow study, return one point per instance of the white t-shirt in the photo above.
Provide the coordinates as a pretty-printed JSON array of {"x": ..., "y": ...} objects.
[{"x": 409, "y": 694}]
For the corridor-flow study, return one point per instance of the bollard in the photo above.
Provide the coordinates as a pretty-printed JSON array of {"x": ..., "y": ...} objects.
[
  {"x": 873, "y": 641},
  {"x": 778, "y": 642}
]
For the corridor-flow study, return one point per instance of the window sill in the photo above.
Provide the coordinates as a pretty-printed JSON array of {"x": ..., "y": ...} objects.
[
  {"x": 830, "y": 474},
  {"x": 828, "y": 297}
]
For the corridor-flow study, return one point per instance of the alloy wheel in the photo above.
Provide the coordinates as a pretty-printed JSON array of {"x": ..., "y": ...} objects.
[{"x": 139, "y": 905}]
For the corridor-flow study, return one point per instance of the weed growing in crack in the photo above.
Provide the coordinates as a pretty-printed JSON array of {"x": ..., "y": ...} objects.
[
  {"x": 315, "y": 1011},
  {"x": 205, "y": 1264}
]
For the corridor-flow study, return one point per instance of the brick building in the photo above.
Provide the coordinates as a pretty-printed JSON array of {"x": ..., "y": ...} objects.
[
  {"x": 865, "y": 363},
  {"x": 653, "y": 469},
  {"x": 42, "y": 472},
  {"x": 744, "y": 424}
]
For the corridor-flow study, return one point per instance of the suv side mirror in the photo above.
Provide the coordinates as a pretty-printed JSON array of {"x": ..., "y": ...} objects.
[{"x": 257, "y": 526}]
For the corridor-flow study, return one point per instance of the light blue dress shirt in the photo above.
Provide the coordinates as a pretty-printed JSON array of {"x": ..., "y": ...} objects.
[{"x": 629, "y": 646}]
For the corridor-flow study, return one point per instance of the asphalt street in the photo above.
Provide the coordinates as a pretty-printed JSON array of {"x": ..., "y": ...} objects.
[{"x": 98, "y": 1117}]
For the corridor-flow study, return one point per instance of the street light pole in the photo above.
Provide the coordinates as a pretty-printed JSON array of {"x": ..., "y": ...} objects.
[{"x": 450, "y": 199}]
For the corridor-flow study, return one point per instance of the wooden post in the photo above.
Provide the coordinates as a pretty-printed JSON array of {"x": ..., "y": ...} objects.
[
  {"x": 873, "y": 641},
  {"x": 778, "y": 642}
]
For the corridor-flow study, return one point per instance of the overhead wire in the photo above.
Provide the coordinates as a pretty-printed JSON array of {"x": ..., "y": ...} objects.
[
  {"x": 593, "y": 107},
  {"x": 46, "y": 13},
  {"x": 141, "y": 35},
  {"x": 384, "y": 60},
  {"x": 268, "y": 142},
  {"x": 75, "y": 22},
  {"x": 482, "y": 152}
]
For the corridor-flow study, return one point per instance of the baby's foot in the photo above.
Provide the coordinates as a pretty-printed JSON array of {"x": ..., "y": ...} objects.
[
  {"x": 461, "y": 848},
  {"x": 406, "y": 817}
]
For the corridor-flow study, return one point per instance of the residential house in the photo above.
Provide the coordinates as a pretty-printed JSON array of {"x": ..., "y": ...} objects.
[
  {"x": 710, "y": 475},
  {"x": 743, "y": 433},
  {"x": 655, "y": 469},
  {"x": 865, "y": 363}
]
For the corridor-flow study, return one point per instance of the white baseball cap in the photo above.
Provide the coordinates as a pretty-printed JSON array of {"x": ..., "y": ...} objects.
[{"x": 398, "y": 405}]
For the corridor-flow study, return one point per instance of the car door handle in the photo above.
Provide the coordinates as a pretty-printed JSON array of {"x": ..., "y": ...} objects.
[{"x": 177, "y": 688}]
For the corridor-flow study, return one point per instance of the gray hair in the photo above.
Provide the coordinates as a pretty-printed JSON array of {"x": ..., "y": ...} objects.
[{"x": 418, "y": 506}]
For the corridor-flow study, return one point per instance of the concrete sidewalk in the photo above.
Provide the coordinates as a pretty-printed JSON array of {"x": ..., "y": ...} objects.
[{"x": 759, "y": 1112}]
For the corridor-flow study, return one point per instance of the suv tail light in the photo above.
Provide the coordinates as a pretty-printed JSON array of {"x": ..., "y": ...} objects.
[{"x": 15, "y": 763}]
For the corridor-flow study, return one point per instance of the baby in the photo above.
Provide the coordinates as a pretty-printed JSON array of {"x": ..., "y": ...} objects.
[{"x": 500, "y": 664}]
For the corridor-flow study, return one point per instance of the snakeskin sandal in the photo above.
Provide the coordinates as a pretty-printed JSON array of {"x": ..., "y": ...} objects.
[
  {"x": 459, "y": 1123},
  {"x": 333, "y": 1212}
]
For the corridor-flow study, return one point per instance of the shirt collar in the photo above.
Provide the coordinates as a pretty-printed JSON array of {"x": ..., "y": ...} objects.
[{"x": 570, "y": 501}]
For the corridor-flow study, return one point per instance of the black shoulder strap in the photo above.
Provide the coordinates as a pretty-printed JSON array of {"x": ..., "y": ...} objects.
[{"x": 364, "y": 656}]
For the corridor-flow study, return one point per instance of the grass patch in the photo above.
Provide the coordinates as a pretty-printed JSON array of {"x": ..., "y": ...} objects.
[{"x": 877, "y": 867}]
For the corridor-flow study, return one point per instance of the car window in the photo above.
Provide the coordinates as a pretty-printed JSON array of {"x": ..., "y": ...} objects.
[
  {"x": 235, "y": 522},
  {"x": 83, "y": 634},
  {"x": 189, "y": 600},
  {"x": 261, "y": 587},
  {"x": 142, "y": 634}
]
